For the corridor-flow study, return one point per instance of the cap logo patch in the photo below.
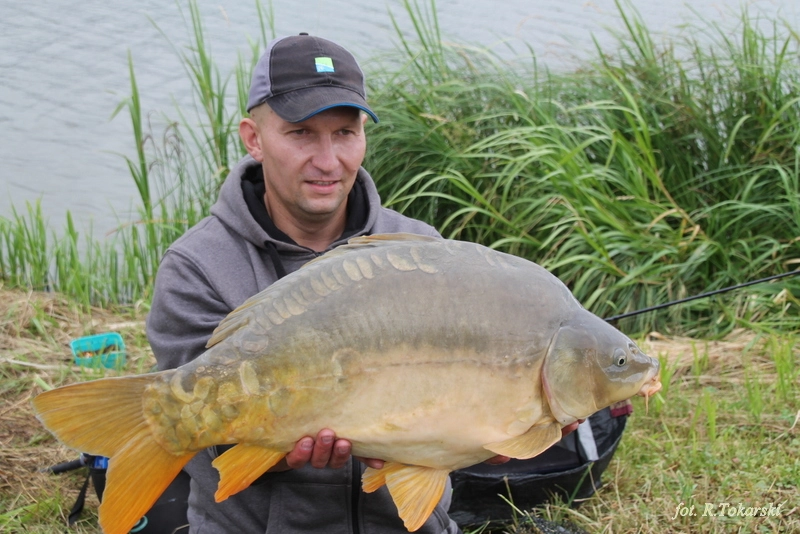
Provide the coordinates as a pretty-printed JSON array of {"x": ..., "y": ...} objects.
[{"x": 324, "y": 64}]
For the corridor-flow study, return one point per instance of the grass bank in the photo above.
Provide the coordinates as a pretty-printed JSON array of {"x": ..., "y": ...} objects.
[
  {"x": 724, "y": 429},
  {"x": 649, "y": 174}
]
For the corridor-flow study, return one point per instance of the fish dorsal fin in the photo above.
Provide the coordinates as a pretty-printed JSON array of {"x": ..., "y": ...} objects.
[
  {"x": 415, "y": 490},
  {"x": 400, "y": 236},
  {"x": 240, "y": 317},
  {"x": 532, "y": 443},
  {"x": 230, "y": 324},
  {"x": 240, "y": 466},
  {"x": 371, "y": 241},
  {"x": 235, "y": 320}
]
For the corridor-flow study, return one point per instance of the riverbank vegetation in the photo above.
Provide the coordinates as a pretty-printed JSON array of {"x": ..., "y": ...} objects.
[
  {"x": 648, "y": 173},
  {"x": 724, "y": 429}
]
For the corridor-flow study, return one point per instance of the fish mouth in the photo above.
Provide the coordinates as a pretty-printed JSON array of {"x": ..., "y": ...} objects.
[{"x": 651, "y": 387}]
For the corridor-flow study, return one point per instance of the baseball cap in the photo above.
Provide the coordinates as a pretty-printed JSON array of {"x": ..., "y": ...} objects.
[{"x": 301, "y": 75}]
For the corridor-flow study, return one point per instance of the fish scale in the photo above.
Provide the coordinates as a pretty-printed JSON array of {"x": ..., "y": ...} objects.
[{"x": 436, "y": 354}]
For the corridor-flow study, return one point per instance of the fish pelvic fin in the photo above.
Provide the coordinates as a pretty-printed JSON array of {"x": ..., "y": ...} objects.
[
  {"x": 415, "y": 490},
  {"x": 105, "y": 418},
  {"x": 373, "y": 479},
  {"x": 240, "y": 466},
  {"x": 532, "y": 443}
]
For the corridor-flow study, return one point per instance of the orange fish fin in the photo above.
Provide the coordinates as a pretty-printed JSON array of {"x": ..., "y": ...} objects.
[
  {"x": 532, "y": 443},
  {"x": 415, "y": 491},
  {"x": 240, "y": 466},
  {"x": 98, "y": 417},
  {"x": 105, "y": 417},
  {"x": 137, "y": 476},
  {"x": 373, "y": 479}
]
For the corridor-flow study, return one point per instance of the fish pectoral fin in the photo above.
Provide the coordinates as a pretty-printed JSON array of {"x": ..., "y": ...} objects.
[
  {"x": 241, "y": 465},
  {"x": 415, "y": 490},
  {"x": 532, "y": 443}
]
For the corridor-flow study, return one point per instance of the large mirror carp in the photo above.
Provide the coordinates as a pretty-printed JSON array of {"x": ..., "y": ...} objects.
[{"x": 430, "y": 354}]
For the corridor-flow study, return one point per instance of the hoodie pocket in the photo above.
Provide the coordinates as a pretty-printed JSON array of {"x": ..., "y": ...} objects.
[{"x": 309, "y": 508}]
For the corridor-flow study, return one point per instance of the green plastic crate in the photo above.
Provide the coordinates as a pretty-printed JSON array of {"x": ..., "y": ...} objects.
[{"x": 107, "y": 350}]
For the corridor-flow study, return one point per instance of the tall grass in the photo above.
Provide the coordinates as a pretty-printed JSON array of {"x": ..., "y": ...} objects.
[{"x": 647, "y": 175}]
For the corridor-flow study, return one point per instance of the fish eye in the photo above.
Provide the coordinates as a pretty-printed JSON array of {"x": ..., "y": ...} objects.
[{"x": 620, "y": 358}]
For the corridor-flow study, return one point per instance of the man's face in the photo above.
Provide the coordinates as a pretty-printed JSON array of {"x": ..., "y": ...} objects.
[{"x": 310, "y": 166}]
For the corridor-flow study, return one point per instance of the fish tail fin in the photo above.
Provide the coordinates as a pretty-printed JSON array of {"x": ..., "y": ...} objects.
[
  {"x": 136, "y": 478},
  {"x": 105, "y": 418}
]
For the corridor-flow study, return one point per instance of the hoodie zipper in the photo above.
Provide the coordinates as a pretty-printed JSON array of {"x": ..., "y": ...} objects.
[
  {"x": 355, "y": 493},
  {"x": 355, "y": 490}
]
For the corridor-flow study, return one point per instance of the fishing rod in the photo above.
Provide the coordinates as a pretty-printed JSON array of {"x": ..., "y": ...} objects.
[{"x": 700, "y": 296}]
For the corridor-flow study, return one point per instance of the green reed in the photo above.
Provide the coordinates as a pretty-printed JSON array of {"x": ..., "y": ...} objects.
[
  {"x": 620, "y": 177},
  {"x": 649, "y": 174}
]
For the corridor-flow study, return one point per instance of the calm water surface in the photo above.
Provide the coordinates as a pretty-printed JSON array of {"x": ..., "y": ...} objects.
[{"x": 63, "y": 71}]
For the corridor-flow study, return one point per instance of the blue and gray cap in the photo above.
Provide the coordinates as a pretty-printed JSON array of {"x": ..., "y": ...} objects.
[{"x": 301, "y": 75}]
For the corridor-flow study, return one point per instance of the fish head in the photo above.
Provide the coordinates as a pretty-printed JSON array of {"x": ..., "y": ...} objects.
[{"x": 591, "y": 365}]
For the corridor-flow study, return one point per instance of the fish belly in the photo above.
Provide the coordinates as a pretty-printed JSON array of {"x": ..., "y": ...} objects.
[{"x": 433, "y": 413}]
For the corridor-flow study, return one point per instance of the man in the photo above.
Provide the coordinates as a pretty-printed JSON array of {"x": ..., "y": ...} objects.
[{"x": 300, "y": 192}]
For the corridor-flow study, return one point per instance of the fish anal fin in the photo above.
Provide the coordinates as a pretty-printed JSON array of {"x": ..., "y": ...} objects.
[
  {"x": 415, "y": 490},
  {"x": 144, "y": 465},
  {"x": 535, "y": 441},
  {"x": 373, "y": 479},
  {"x": 241, "y": 465}
]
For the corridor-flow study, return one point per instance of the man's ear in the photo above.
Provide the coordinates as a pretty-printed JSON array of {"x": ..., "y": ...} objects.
[{"x": 248, "y": 131}]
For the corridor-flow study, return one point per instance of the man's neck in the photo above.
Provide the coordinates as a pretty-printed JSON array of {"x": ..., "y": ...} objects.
[{"x": 316, "y": 235}]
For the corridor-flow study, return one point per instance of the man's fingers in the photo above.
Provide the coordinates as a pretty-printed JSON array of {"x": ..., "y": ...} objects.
[
  {"x": 371, "y": 462},
  {"x": 301, "y": 454},
  {"x": 323, "y": 451},
  {"x": 323, "y": 448},
  {"x": 340, "y": 454}
]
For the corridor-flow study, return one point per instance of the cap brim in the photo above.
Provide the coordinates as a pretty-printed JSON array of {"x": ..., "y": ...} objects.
[{"x": 302, "y": 104}]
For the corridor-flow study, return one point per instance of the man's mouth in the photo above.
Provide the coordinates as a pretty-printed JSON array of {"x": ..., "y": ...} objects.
[{"x": 322, "y": 183}]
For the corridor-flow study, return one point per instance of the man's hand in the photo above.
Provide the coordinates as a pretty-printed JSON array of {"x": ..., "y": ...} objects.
[
  {"x": 499, "y": 459},
  {"x": 324, "y": 451}
]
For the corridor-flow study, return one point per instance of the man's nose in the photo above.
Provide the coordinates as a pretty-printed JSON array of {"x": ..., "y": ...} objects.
[{"x": 325, "y": 158}]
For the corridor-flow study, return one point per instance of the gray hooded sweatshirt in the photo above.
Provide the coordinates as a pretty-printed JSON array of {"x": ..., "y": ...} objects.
[{"x": 204, "y": 275}]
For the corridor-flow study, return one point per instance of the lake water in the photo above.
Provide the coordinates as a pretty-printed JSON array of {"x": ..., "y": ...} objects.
[{"x": 64, "y": 70}]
